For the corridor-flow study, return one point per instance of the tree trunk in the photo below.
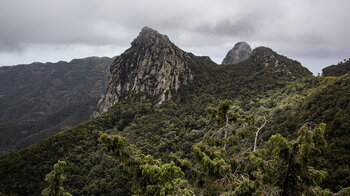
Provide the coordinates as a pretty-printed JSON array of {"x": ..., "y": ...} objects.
[{"x": 257, "y": 133}]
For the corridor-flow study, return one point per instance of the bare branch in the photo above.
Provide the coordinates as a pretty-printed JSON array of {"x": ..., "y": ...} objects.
[
  {"x": 226, "y": 130},
  {"x": 257, "y": 133}
]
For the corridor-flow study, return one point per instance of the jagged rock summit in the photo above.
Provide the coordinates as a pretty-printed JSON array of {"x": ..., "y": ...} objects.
[
  {"x": 240, "y": 52},
  {"x": 152, "y": 66}
]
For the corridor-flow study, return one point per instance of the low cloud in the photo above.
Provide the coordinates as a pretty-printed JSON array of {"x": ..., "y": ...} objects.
[{"x": 302, "y": 29}]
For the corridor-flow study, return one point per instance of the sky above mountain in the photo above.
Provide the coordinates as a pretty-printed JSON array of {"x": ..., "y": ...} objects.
[{"x": 316, "y": 33}]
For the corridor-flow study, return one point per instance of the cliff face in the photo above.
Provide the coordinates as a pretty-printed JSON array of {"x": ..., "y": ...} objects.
[
  {"x": 152, "y": 66},
  {"x": 240, "y": 52}
]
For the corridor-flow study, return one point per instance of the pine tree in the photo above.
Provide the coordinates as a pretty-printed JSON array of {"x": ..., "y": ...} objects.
[
  {"x": 282, "y": 168},
  {"x": 55, "y": 179},
  {"x": 149, "y": 176}
]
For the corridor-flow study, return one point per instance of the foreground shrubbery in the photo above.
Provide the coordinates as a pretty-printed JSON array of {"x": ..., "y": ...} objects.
[{"x": 218, "y": 167}]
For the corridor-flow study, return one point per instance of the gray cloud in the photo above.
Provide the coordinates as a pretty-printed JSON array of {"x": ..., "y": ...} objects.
[{"x": 302, "y": 29}]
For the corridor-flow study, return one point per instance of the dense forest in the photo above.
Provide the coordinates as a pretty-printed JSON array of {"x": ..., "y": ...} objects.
[
  {"x": 173, "y": 130},
  {"x": 41, "y": 99},
  {"x": 341, "y": 68},
  {"x": 263, "y": 126}
]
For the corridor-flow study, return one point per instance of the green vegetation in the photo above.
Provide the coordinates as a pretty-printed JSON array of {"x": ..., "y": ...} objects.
[
  {"x": 341, "y": 68},
  {"x": 39, "y": 100},
  {"x": 55, "y": 179},
  {"x": 283, "y": 168},
  {"x": 178, "y": 126}
]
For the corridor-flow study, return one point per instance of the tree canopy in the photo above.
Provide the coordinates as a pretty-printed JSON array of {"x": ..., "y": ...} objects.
[{"x": 282, "y": 167}]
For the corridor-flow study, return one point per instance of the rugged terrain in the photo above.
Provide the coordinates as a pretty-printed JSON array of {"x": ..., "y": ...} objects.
[
  {"x": 267, "y": 84},
  {"x": 152, "y": 66},
  {"x": 41, "y": 99},
  {"x": 240, "y": 52}
]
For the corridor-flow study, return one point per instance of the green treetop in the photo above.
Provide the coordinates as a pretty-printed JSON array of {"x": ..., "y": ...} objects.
[
  {"x": 282, "y": 168},
  {"x": 55, "y": 179}
]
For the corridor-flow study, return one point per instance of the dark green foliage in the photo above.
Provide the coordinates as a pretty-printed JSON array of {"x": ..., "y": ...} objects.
[
  {"x": 337, "y": 70},
  {"x": 90, "y": 171},
  {"x": 55, "y": 179},
  {"x": 149, "y": 176},
  {"x": 283, "y": 168},
  {"x": 39, "y": 100},
  {"x": 328, "y": 101},
  {"x": 177, "y": 125}
]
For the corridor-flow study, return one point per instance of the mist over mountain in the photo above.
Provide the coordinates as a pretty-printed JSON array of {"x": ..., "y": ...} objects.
[{"x": 240, "y": 52}]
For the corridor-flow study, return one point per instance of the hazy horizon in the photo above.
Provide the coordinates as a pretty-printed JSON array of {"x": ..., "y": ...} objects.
[{"x": 315, "y": 34}]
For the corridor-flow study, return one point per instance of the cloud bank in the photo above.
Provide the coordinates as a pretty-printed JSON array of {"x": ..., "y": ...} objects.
[{"x": 316, "y": 33}]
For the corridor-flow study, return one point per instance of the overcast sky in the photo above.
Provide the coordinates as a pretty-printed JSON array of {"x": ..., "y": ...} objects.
[{"x": 314, "y": 32}]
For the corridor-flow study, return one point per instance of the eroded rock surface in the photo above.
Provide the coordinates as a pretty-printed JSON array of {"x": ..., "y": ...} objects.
[
  {"x": 240, "y": 52},
  {"x": 152, "y": 66}
]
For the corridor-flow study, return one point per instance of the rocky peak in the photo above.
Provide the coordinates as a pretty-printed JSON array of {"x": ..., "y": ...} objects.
[
  {"x": 240, "y": 52},
  {"x": 267, "y": 59},
  {"x": 151, "y": 38},
  {"x": 264, "y": 55},
  {"x": 152, "y": 66}
]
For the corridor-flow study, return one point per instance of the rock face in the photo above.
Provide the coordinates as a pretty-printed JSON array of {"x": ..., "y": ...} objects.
[
  {"x": 240, "y": 52},
  {"x": 152, "y": 66}
]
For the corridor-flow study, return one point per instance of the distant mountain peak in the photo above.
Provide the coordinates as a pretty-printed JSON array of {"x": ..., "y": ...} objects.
[
  {"x": 152, "y": 66},
  {"x": 150, "y": 37},
  {"x": 147, "y": 29},
  {"x": 262, "y": 51},
  {"x": 266, "y": 58},
  {"x": 240, "y": 52}
]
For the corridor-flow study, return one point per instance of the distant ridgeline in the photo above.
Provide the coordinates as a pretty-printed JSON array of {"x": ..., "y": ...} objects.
[
  {"x": 337, "y": 70},
  {"x": 156, "y": 97},
  {"x": 41, "y": 99}
]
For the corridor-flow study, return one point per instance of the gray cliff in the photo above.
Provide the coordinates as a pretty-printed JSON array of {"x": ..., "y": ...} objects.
[
  {"x": 152, "y": 66},
  {"x": 240, "y": 52}
]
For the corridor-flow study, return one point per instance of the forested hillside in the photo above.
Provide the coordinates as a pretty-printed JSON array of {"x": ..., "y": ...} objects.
[
  {"x": 41, "y": 99},
  {"x": 268, "y": 85},
  {"x": 337, "y": 70}
]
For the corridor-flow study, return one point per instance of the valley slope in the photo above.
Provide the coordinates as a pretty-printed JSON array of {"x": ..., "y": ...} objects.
[
  {"x": 267, "y": 84},
  {"x": 41, "y": 99}
]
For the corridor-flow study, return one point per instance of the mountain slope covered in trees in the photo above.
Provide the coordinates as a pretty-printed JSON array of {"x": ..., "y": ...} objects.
[
  {"x": 41, "y": 99},
  {"x": 337, "y": 70},
  {"x": 266, "y": 84}
]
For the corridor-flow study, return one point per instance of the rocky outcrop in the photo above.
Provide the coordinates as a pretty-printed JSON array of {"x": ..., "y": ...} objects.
[
  {"x": 269, "y": 61},
  {"x": 240, "y": 52},
  {"x": 152, "y": 66}
]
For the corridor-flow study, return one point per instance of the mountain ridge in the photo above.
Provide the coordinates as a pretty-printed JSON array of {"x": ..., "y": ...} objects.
[
  {"x": 267, "y": 84},
  {"x": 154, "y": 66},
  {"x": 47, "y": 98},
  {"x": 341, "y": 68}
]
